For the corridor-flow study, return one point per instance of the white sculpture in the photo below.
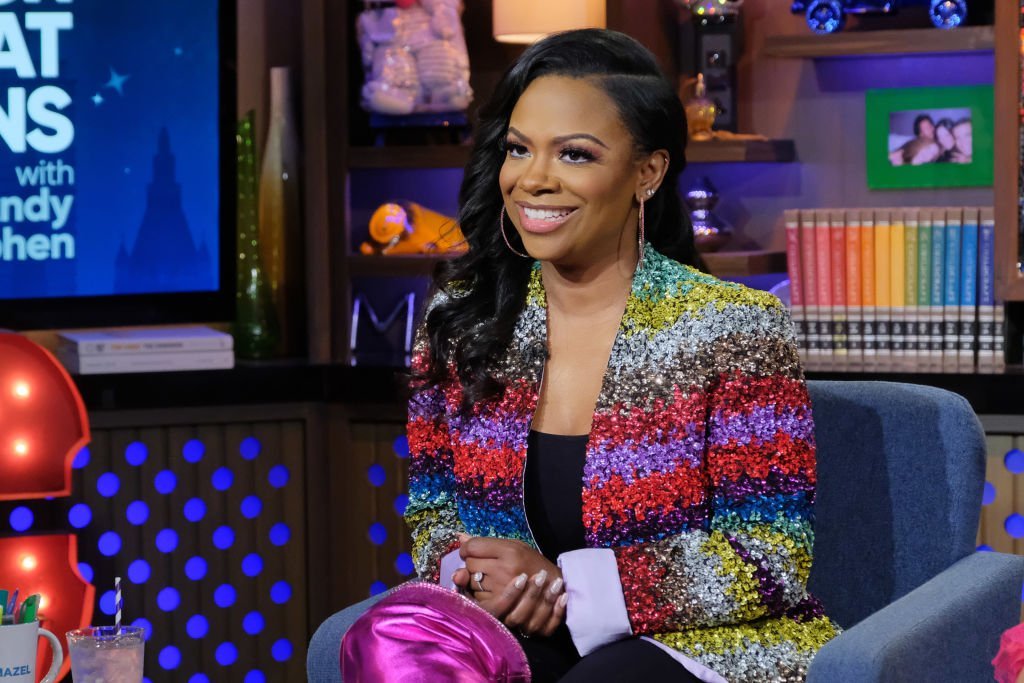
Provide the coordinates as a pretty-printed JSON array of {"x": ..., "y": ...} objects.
[{"x": 414, "y": 56}]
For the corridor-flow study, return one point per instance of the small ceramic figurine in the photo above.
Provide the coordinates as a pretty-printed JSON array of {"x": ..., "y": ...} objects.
[
  {"x": 408, "y": 228},
  {"x": 828, "y": 16},
  {"x": 414, "y": 55},
  {"x": 700, "y": 113}
]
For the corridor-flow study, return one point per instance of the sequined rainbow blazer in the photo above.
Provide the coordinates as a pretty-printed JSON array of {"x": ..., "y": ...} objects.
[{"x": 698, "y": 484}]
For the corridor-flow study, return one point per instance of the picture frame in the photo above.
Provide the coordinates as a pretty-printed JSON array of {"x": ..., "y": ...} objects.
[{"x": 929, "y": 137}]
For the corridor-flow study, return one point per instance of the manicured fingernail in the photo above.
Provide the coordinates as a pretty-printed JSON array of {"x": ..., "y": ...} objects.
[
  {"x": 556, "y": 586},
  {"x": 541, "y": 577},
  {"x": 520, "y": 581},
  {"x": 562, "y": 599},
  {"x": 453, "y": 576}
]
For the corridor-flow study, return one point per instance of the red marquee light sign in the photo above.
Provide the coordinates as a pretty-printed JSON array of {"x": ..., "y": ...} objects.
[
  {"x": 43, "y": 425},
  {"x": 43, "y": 422}
]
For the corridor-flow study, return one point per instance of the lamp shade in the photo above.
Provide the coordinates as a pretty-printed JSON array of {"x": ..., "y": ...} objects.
[{"x": 526, "y": 21}]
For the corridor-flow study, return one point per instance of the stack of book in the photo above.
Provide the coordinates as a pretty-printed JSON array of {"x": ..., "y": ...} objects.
[
  {"x": 912, "y": 288},
  {"x": 93, "y": 352}
]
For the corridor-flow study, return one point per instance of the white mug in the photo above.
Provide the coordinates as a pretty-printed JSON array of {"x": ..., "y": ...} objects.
[{"x": 18, "y": 644}]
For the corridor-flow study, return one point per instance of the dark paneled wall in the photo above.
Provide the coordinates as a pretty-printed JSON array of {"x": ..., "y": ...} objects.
[
  {"x": 214, "y": 505},
  {"x": 375, "y": 500}
]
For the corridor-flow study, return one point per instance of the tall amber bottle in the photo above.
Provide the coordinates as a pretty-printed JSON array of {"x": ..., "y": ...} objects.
[{"x": 280, "y": 217}]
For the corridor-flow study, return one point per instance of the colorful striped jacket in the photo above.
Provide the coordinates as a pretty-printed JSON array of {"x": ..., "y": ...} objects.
[{"x": 698, "y": 484}]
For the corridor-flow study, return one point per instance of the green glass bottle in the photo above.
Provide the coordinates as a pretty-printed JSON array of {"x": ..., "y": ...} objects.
[{"x": 257, "y": 331}]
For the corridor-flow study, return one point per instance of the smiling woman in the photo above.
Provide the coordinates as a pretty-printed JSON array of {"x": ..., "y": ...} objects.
[
  {"x": 571, "y": 173},
  {"x": 581, "y": 118},
  {"x": 611, "y": 452}
]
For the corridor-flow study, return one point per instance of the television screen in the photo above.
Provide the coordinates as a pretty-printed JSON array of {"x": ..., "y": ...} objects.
[{"x": 112, "y": 160}]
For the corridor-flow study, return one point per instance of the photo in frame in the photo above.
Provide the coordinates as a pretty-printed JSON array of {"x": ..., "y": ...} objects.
[{"x": 929, "y": 137}]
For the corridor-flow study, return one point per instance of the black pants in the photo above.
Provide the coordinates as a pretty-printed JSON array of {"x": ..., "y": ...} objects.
[{"x": 555, "y": 659}]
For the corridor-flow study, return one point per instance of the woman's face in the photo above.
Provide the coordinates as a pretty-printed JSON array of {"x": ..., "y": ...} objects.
[
  {"x": 944, "y": 136},
  {"x": 570, "y": 173},
  {"x": 964, "y": 138}
]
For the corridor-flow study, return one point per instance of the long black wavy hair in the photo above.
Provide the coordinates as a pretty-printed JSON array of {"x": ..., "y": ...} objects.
[{"x": 472, "y": 328}]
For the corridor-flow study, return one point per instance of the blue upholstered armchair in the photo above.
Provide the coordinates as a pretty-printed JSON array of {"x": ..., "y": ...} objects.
[{"x": 900, "y": 475}]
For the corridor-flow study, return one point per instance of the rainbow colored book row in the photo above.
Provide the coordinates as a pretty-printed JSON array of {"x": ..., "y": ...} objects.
[{"x": 904, "y": 286}]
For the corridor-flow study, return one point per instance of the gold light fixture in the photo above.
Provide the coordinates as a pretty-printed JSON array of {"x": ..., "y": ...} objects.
[{"x": 527, "y": 21}]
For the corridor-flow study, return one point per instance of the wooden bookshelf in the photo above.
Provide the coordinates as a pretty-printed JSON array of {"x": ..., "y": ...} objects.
[
  {"x": 721, "y": 264},
  {"x": 873, "y": 43},
  {"x": 1006, "y": 189},
  {"x": 456, "y": 156}
]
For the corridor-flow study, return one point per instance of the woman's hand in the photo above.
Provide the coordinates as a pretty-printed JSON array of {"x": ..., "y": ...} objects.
[
  {"x": 529, "y": 605},
  {"x": 541, "y": 607},
  {"x": 520, "y": 586},
  {"x": 501, "y": 560}
]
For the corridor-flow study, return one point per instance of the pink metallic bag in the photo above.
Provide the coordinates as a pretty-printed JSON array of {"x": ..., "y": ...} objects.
[{"x": 422, "y": 632}]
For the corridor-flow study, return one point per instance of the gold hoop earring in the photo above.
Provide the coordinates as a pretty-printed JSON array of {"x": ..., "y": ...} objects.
[{"x": 501, "y": 228}]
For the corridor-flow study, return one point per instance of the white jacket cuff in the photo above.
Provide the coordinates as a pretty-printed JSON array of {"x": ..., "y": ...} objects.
[
  {"x": 596, "y": 612},
  {"x": 449, "y": 563}
]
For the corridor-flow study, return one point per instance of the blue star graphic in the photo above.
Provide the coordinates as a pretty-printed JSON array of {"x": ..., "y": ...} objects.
[
  {"x": 178, "y": 52},
  {"x": 97, "y": 99},
  {"x": 116, "y": 81}
]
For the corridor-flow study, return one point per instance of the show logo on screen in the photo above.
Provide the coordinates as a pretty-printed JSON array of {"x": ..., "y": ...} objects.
[{"x": 109, "y": 147}]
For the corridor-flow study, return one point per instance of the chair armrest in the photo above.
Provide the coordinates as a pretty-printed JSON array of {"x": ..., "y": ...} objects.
[
  {"x": 945, "y": 630},
  {"x": 323, "y": 659}
]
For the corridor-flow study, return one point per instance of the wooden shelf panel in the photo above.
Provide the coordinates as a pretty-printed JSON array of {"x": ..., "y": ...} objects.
[
  {"x": 456, "y": 156},
  {"x": 744, "y": 263},
  {"x": 293, "y": 381},
  {"x": 360, "y": 265},
  {"x": 868, "y": 43},
  {"x": 721, "y": 264},
  {"x": 426, "y": 156},
  {"x": 736, "y": 151}
]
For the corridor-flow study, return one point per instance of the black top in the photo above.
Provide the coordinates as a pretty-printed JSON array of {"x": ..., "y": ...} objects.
[
  {"x": 554, "y": 507},
  {"x": 554, "y": 491}
]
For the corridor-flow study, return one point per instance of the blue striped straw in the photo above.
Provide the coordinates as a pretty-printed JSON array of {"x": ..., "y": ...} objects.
[{"x": 117, "y": 604}]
